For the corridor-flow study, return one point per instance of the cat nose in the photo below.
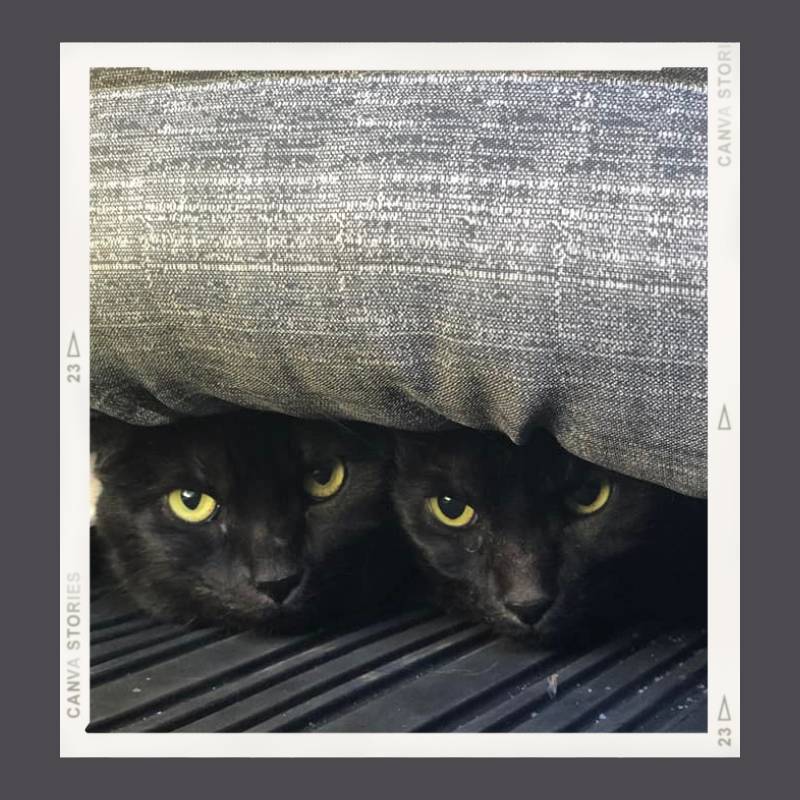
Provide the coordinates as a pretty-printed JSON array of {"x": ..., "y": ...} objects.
[
  {"x": 530, "y": 613},
  {"x": 278, "y": 590}
]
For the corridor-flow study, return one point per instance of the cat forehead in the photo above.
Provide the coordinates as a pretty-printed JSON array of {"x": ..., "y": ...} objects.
[
  {"x": 454, "y": 443},
  {"x": 455, "y": 460},
  {"x": 346, "y": 440},
  {"x": 476, "y": 457},
  {"x": 459, "y": 451},
  {"x": 206, "y": 451},
  {"x": 229, "y": 437}
]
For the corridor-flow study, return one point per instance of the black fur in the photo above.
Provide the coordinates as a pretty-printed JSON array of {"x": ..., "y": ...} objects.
[
  {"x": 347, "y": 550},
  {"x": 642, "y": 555}
]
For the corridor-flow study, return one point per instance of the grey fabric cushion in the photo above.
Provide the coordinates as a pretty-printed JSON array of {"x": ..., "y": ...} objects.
[{"x": 499, "y": 250}]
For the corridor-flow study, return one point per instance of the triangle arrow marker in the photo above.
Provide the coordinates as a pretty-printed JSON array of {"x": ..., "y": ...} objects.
[
  {"x": 72, "y": 350},
  {"x": 724, "y": 420},
  {"x": 724, "y": 711}
]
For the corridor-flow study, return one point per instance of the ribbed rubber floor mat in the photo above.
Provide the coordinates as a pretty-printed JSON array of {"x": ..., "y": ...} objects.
[{"x": 410, "y": 671}]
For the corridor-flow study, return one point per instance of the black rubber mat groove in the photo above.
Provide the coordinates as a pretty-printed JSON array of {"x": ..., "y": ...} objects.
[
  {"x": 321, "y": 712},
  {"x": 121, "y": 629},
  {"x": 149, "y": 656},
  {"x": 135, "y": 694},
  {"x": 585, "y": 701},
  {"x": 133, "y": 642},
  {"x": 450, "y": 686},
  {"x": 113, "y": 620},
  {"x": 109, "y": 610},
  {"x": 533, "y": 694},
  {"x": 654, "y": 691},
  {"x": 239, "y": 701},
  {"x": 407, "y": 671},
  {"x": 321, "y": 678},
  {"x": 486, "y": 693},
  {"x": 685, "y": 713}
]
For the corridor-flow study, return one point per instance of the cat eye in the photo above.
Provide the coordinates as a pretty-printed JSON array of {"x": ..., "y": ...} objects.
[
  {"x": 325, "y": 480},
  {"x": 590, "y": 496},
  {"x": 190, "y": 506},
  {"x": 450, "y": 511}
]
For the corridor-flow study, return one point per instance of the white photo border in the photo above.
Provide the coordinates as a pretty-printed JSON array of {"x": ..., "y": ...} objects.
[{"x": 723, "y": 63}]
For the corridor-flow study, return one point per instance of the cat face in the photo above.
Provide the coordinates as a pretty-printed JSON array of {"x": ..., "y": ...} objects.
[
  {"x": 248, "y": 519},
  {"x": 539, "y": 543}
]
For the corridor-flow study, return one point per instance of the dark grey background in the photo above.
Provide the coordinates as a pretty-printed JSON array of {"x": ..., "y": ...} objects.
[{"x": 34, "y": 372}]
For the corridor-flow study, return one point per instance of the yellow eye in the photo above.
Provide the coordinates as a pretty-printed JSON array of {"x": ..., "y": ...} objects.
[
  {"x": 590, "y": 496},
  {"x": 449, "y": 511},
  {"x": 326, "y": 480},
  {"x": 191, "y": 506}
]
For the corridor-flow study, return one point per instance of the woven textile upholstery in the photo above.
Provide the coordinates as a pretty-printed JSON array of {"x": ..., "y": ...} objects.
[{"x": 499, "y": 250}]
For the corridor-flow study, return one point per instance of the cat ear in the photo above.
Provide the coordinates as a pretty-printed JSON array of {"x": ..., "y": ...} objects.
[{"x": 107, "y": 435}]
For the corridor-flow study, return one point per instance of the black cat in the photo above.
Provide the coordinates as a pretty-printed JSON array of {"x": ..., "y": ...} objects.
[
  {"x": 249, "y": 519},
  {"x": 539, "y": 543}
]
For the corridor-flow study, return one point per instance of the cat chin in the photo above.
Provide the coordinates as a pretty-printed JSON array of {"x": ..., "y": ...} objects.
[
  {"x": 506, "y": 625},
  {"x": 541, "y": 634},
  {"x": 562, "y": 627},
  {"x": 245, "y": 611}
]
